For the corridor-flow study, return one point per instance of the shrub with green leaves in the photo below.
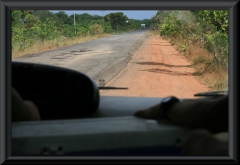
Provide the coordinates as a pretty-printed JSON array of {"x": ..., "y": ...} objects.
[{"x": 210, "y": 27}]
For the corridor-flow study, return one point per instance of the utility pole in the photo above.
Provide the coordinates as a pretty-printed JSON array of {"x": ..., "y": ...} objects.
[
  {"x": 74, "y": 21},
  {"x": 102, "y": 13}
]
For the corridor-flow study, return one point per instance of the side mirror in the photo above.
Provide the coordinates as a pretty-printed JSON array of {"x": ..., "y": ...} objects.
[{"x": 59, "y": 93}]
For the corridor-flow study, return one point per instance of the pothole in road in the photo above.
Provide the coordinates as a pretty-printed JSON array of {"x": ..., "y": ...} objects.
[
  {"x": 61, "y": 56},
  {"x": 66, "y": 53},
  {"x": 80, "y": 52},
  {"x": 57, "y": 58},
  {"x": 84, "y": 52},
  {"x": 72, "y": 52}
]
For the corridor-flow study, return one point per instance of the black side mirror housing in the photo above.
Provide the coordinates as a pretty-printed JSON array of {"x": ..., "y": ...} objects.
[{"x": 59, "y": 93}]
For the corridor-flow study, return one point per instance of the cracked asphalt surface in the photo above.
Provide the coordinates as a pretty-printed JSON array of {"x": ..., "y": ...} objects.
[{"x": 100, "y": 59}]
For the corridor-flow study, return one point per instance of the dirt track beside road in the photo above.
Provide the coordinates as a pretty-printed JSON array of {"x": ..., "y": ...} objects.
[{"x": 157, "y": 69}]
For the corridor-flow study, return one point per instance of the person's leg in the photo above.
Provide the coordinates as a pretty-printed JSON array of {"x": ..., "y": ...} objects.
[{"x": 23, "y": 110}]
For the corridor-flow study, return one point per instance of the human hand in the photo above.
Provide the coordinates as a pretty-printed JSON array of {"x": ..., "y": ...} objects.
[
  {"x": 160, "y": 110},
  {"x": 153, "y": 112}
]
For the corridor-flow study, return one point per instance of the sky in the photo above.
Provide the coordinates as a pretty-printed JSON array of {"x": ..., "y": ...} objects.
[{"x": 131, "y": 14}]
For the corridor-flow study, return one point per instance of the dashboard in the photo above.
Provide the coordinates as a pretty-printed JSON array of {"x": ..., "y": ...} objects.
[{"x": 111, "y": 131}]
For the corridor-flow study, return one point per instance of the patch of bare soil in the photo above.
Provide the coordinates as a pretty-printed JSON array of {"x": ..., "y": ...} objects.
[{"x": 157, "y": 69}]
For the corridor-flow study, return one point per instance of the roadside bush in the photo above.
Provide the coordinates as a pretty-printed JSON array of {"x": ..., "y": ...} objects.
[
  {"x": 217, "y": 43},
  {"x": 199, "y": 60}
]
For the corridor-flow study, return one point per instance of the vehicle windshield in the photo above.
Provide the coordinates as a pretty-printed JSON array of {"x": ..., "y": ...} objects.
[{"x": 130, "y": 53}]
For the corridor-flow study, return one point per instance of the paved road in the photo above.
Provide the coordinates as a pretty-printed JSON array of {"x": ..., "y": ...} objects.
[{"x": 100, "y": 59}]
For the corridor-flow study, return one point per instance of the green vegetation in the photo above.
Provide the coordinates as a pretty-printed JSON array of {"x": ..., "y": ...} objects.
[
  {"x": 210, "y": 27},
  {"x": 32, "y": 27},
  {"x": 202, "y": 35}
]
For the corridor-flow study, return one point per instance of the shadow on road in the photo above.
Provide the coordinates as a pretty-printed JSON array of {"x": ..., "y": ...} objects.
[
  {"x": 157, "y": 63},
  {"x": 160, "y": 44},
  {"x": 166, "y": 71}
]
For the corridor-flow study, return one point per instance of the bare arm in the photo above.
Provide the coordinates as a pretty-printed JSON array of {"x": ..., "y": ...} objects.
[{"x": 207, "y": 113}]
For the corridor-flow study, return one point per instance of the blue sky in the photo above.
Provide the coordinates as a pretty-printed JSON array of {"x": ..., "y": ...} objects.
[{"x": 131, "y": 14}]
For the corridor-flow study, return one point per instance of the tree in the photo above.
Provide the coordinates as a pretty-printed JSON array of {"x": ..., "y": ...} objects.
[
  {"x": 47, "y": 30},
  {"x": 147, "y": 22},
  {"x": 44, "y": 14},
  {"x": 64, "y": 18},
  {"x": 86, "y": 16},
  {"x": 17, "y": 20},
  {"x": 116, "y": 19}
]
